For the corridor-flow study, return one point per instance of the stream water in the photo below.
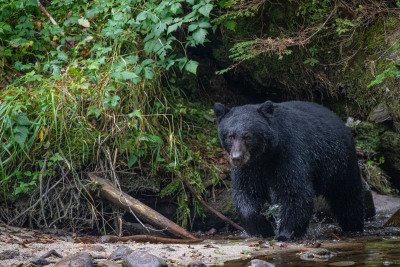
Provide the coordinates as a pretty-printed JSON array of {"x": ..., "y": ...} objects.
[{"x": 367, "y": 251}]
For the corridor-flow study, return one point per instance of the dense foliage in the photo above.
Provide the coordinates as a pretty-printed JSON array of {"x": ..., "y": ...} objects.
[{"x": 91, "y": 87}]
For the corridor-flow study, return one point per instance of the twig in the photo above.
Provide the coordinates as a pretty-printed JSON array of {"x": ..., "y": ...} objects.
[
  {"x": 44, "y": 10},
  {"x": 211, "y": 209}
]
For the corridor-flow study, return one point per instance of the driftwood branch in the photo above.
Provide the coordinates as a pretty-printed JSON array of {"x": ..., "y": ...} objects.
[
  {"x": 211, "y": 209},
  {"x": 147, "y": 238},
  {"x": 44, "y": 10},
  {"x": 123, "y": 200}
]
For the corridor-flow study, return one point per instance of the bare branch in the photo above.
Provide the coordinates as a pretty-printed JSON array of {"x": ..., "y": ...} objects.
[{"x": 44, "y": 10}]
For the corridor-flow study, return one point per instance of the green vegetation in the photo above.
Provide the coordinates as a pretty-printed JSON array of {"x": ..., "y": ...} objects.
[{"x": 91, "y": 88}]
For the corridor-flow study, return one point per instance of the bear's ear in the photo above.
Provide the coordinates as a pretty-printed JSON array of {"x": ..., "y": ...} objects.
[
  {"x": 266, "y": 109},
  {"x": 220, "y": 110}
]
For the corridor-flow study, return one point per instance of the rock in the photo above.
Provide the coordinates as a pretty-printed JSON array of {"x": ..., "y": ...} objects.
[
  {"x": 96, "y": 248},
  {"x": 141, "y": 258},
  {"x": 319, "y": 254},
  {"x": 380, "y": 113},
  {"x": 260, "y": 263},
  {"x": 9, "y": 254},
  {"x": 39, "y": 261},
  {"x": 107, "y": 263},
  {"x": 81, "y": 259},
  {"x": 196, "y": 264},
  {"x": 120, "y": 253},
  {"x": 212, "y": 231}
]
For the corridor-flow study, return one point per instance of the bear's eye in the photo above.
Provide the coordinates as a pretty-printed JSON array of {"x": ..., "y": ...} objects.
[
  {"x": 231, "y": 137},
  {"x": 246, "y": 137}
]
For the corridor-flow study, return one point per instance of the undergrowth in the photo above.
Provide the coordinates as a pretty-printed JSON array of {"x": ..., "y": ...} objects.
[{"x": 90, "y": 87}]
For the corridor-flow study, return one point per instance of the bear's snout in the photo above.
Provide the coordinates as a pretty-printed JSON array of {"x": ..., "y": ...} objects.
[
  {"x": 238, "y": 155},
  {"x": 236, "y": 158}
]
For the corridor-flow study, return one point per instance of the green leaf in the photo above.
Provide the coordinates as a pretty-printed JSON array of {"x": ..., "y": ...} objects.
[
  {"x": 132, "y": 160},
  {"x": 4, "y": 27},
  {"x": 173, "y": 27},
  {"x": 200, "y": 36},
  {"x": 61, "y": 55},
  {"x": 193, "y": 27},
  {"x": 204, "y": 25},
  {"x": 94, "y": 111},
  {"x": 135, "y": 114},
  {"x": 230, "y": 25},
  {"x": 128, "y": 75},
  {"x": 191, "y": 66},
  {"x": 176, "y": 8},
  {"x": 142, "y": 16},
  {"x": 148, "y": 73},
  {"x": 159, "y": 28},
  {"x": 22, "y": 119},
  {"x": 20, "y": 134},
  {"x": 206, "y": 9}
]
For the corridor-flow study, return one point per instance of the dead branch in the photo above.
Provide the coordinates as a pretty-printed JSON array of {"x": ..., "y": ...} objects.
[
  {"x": 44, "y": 10},
  {"x": 211, "y": 209},
  {"x": 144, "y": 238},
  {"x": 139, "y": 209}
]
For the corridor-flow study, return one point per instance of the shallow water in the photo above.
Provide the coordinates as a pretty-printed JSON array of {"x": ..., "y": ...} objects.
[{"x": 366, "y": 251}]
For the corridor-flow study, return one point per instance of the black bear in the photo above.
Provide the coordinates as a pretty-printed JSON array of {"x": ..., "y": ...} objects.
[{"x": 285, "y": 154}]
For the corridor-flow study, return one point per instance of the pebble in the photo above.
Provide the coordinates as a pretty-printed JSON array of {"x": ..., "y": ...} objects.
[
  {"x": 81, "y": 259},
  {"x": 9, "y": 254},
  {"x": 120, "y": 253},
  {"x": 317, "y": 254},
  {"x": 196, "y": 264},
  {"x": 141, "y": 258}
]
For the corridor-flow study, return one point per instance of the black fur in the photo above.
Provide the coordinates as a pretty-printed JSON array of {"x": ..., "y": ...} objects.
[{"x": 286, "y": 154}]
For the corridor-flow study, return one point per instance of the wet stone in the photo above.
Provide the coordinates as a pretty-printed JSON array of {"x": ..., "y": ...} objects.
[
  {"x": 120, "y": 253},
  {"x": 9, "y": 254},
  {"x": 196, "y": 264},
  {"x": 108, "y": 263},
  {"x": 76, "y": 260},
  {"x": 142, "y": 259},
  {"x": 260, "y": 263},
  {"x": 319, "y": 254}
]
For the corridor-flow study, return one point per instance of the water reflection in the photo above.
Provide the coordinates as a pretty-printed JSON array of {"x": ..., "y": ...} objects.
[{"x": 366, "y": 251}]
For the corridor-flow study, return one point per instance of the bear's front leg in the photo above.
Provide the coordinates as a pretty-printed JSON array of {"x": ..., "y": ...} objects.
[
  {"x": 250, "y": 209},
  {"x": 295, "y": 200}
]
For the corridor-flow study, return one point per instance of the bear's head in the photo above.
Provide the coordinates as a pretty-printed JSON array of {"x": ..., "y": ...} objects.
[{"x": 246, "y": 132}]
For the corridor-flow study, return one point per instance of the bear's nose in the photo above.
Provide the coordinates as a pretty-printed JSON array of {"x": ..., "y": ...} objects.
[{"x": 236, "y": 157}]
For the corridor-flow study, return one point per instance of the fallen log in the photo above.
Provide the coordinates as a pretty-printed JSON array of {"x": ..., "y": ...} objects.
[
  {"x": 125, "y": 201},
  {"x": 394, "y": 220}
]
